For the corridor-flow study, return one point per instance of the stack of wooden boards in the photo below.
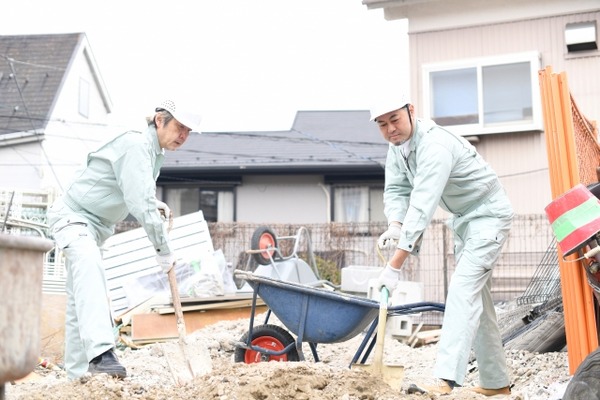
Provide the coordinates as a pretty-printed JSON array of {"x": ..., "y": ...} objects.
[{"x": 130, "y": 256}]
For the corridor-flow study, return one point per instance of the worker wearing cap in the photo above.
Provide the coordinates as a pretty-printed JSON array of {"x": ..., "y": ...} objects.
[
  {"x": 118, "y": 179},
  {"x": 428, "y": 166}
]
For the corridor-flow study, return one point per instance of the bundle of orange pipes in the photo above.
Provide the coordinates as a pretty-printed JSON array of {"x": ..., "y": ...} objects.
[{"x": 566, "y": 171}]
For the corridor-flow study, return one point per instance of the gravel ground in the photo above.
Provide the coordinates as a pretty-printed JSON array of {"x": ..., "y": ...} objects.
[{"x": 534, "y": 376}]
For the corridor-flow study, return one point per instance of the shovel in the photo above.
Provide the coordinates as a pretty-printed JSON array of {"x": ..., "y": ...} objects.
[
  {"x": 181, "y": 371},
  {"x": 194, "y": 361},
  {"x": 393, "y": 375}
]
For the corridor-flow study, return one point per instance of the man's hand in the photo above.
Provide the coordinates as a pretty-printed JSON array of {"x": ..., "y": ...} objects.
[
  {"x": 164, "y": 210},
  {"x": 166, "y": 262},
  {"x": 389, "y": 238},
  {"x": 389, "y": 278}
]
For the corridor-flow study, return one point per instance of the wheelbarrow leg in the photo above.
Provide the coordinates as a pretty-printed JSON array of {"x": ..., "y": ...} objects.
[
  {"x": 313, "y": 349},
  {"x": 299, "y": 348},
  {"x": 363, "y": 344},
  {"x": 252, "y": 314},
  {"x": 267, "y": 316},
  {"x": 301, "y": 328}
]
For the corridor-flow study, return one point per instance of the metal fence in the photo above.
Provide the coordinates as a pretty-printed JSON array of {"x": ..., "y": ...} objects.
[
  {"x": 529, "y": 252},
  {"x": 527, "y": 269},
  {"x": 341, "y": 245}
]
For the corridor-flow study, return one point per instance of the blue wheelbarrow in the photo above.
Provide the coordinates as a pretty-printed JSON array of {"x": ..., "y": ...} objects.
[{"x": 314, "y": 316}]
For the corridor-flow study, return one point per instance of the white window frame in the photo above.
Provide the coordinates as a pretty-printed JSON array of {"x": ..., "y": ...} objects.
[
  {"x": 352, "y": 204},
  {"x": 536, "y": 124},
  {"x": 366, "y": 194}
]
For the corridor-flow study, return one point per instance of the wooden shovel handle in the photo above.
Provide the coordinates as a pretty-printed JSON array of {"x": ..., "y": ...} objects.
[
  {"x": 175, "y": 291},
  {"x": 176, "y": 303},
  {"x": 383, "y": 309}
]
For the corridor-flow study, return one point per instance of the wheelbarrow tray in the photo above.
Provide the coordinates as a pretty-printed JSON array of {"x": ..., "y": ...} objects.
[{"x": 320, "y": 315}]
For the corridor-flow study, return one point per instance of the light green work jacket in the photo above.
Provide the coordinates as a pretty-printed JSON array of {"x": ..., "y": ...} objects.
[
  {"x": 442, "y": 169},
  {"x": 120, "y": 179}
]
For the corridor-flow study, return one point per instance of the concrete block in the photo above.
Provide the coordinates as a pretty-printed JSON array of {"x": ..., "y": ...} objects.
[{"x": 355, "y": 278}]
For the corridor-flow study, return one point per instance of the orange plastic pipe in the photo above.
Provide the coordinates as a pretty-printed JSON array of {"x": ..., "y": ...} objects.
[
  {"x": 584, "y": 296},
  {"x": 578, "y": 302}
]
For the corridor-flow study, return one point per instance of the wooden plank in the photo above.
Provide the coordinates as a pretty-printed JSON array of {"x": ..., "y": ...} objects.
[
  {"x": 149, "y": 328},
  {"x": 142, "y": 308},
  {"x": 214, "y": 299},
  {"x": 426, "y": 337},
  {"x": 209, "y": 306}
]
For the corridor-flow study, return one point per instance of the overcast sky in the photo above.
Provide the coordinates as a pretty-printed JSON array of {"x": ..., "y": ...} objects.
[{"x": 254, "y": 63}]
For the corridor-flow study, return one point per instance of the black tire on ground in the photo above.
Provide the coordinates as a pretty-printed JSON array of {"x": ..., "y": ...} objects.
[
  {"x": 585, "y": 383},
  {"x": 271, "y": 337},
  {"x": 542, "y": 335},
  {"x": 263, "y": 238}
]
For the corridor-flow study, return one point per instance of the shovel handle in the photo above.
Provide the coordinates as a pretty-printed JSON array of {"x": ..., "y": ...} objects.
[
  {"x": 175, "y": 291},
  {"x": 176, "y": 303},
  {"x": 378, "y": 357},
  {"x": 385, "y": 294}
]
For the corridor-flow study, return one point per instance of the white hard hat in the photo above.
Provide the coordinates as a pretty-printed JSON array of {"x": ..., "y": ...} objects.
[
  {"x": 182, "y": 112},
  {"x": 386, "y": 105}
]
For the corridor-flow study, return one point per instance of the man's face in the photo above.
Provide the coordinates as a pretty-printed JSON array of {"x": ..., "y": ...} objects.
[
  {"x": 172, "y": 135},
  {"x": 396, "y": 126}
]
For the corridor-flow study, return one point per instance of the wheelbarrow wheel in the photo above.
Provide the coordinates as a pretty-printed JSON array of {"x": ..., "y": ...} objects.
[
  {"x": 263, "y": 238},
  {"x": 269, "y": 337}
]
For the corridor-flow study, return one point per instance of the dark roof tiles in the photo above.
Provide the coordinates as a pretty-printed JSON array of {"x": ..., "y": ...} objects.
[
  {"x": 324, "y": 139},
  {"x": 32, "y": 68}
]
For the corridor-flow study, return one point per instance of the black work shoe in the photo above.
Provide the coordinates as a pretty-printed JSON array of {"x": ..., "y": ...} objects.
[{"x": 107, "y": 363}]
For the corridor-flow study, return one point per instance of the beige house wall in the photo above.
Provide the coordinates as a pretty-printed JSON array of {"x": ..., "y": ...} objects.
[{"x": 518, "y": 158}]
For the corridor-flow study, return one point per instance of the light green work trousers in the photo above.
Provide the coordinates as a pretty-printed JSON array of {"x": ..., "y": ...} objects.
[
  {"x": 470, "y": 318},
  {"x": 88, "y": 321}
]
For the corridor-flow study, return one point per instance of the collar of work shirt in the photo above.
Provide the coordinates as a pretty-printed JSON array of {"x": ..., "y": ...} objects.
[{"x": 405, "y": 149}]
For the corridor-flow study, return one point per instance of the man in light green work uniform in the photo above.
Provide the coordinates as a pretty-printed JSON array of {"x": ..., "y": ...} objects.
[
  {"x": 428, "y": 166},
  {"x": 118, "y": 179}
]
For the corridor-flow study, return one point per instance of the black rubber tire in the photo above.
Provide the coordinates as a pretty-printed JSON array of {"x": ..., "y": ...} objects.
[
  {"x": 271, "y": 337},
  {"x": 544, "y": 334},
  {"x": 263, "y": 238},
  {"x": 585, "y": 383}
]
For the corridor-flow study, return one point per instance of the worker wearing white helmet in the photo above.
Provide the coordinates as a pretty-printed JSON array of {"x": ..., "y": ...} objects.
[
  {"x": 428, "y": 166},
  {"x": 118, "y": 179},
  {"x": 388, "y": 104},
  {"x": 182, "y": 112}
]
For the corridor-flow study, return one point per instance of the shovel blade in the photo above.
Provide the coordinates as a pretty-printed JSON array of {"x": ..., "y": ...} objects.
[
  {"x": 393, "y": 375},
  {"x": 187, "y": 359}
]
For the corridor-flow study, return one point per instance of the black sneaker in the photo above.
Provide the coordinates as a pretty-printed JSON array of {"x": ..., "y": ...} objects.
[{"x": 107, "y": 363}]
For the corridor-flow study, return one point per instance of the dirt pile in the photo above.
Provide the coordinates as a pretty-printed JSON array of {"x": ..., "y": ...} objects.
[{"x": 535, "y": 376}]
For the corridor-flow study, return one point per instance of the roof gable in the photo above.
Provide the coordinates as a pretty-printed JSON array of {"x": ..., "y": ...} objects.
[{"x": 32, "y": 71}]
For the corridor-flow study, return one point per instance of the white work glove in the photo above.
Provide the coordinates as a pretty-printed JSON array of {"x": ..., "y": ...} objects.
[
  {"x": 166, "y": 261},
  {"x": 389, "y": 278},
  {"x": 163, "y": 209},
  {"x": 389, "y": 239}
]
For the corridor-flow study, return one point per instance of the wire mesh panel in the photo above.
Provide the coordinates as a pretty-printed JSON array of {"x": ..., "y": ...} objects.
[
  {"x": 545, "y": 283},
  {"x": 586, "y": 146}
]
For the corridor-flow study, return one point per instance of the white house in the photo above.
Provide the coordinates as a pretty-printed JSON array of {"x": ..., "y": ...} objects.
[{"x": 53, "y": 109}]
